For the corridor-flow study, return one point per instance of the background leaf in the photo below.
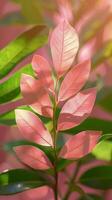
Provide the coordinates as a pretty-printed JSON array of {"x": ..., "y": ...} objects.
[
  {"x": 92, "y": 124},
  {"x": 102, "y": 54},
  {"x": 10, "y": 89},
  {"x": 12, "y": 18},
  {"x": 21, "y": 47},
  {"x": 98, "y": 177},
  {"x": 19, "y": 180},
  {"x": 105, "y": 99},
  {"x": 63, "y": 163},
  {"x": 91, "y": 197},
  {"x": 29, "y": 10},
  {"x": 94, "y": 26},
  {"x": 103, "y": 151},
  {"x": 9, "y": 117}
]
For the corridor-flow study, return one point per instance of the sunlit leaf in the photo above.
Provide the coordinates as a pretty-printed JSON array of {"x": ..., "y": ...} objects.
[
  {"x": 8, "y": 118},
  {"x": 33, "y": 157},
  {"x": 21, "y": 47},
  {"x": 80, "y": 145},
  {"x": 32, "y": 128},
  {"x": 43, "y": 71},
  {"x": 10, "y": 89},
  {"x": 36, "y": 95},
  {"x": 76, "y": 109},
  {"x": 103, "y": 151},
  {"x": 64, "y": 45},
  {"x": 13, "y": 144},
  {"x": 76, "y": 77}
]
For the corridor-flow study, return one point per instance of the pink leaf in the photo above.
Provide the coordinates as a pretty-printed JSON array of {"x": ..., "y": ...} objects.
[
  {"x": 43, "y": 193},
  {"x": 33, "y": 157},
  {"x": 32, "y": 128},
  {"x": 43, "y": 71},
  {"x": 74, "y": 80},
  {"x": 64, "y": 46},
  {"x": 80, "y": 145},
  {"x": 77, "y": 109},
  {"x": 36, "y": 95}
]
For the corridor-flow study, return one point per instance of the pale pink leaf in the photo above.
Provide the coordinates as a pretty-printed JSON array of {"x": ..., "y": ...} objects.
[
  {"x": 74, "y": 80},
  {"x": 33, "y": 157},
  {"x": 80, "y": 145},
  {"x": 36, "y": 95},
  {"x": 32, "y": 128},
  {"x": 43, "y": 71},
  {"x": 77, "y": 109},
  {"x": 64, "y": 45}
]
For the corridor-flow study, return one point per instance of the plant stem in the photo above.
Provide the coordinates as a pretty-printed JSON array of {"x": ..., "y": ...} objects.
[
  {"x": 71, "y": 182},
  {"x": 56, "y": 184},
  {"x": 56, "y": 175},
  {"x": 55, "y": 162}
]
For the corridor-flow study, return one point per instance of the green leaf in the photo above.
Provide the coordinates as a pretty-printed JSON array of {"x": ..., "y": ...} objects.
[
  {"x": 86, "y": 159},
  {"x": 103, "y": 151},
  {"x": 93, "y": 26},
  {"x": 20, "y": 48},
  {"x": 102, "y": 54},
  {"x": 105, "y": 99},
  {"x": 106, "y": 137},
  {"x": 76, "y": 188},
  {"x": 103, "y": 92},
  {"x": 98, "y": 177},
  {"x": 31, "y": 8},
  {"x": 92, "y": 124},
  {"x": 12, "y": 18},
  {"x": 91, "y": 197},
  {"x": 9, "y": 117},
  {"x": 63, "y": 163},
  {"x": 10, "y": 89},
  {"x": 19, "y": 180}
]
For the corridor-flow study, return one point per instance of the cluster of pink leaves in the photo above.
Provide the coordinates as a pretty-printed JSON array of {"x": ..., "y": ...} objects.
[
  {"x": 75, "y": 106},
  {"x": 30, "y": 194}
]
